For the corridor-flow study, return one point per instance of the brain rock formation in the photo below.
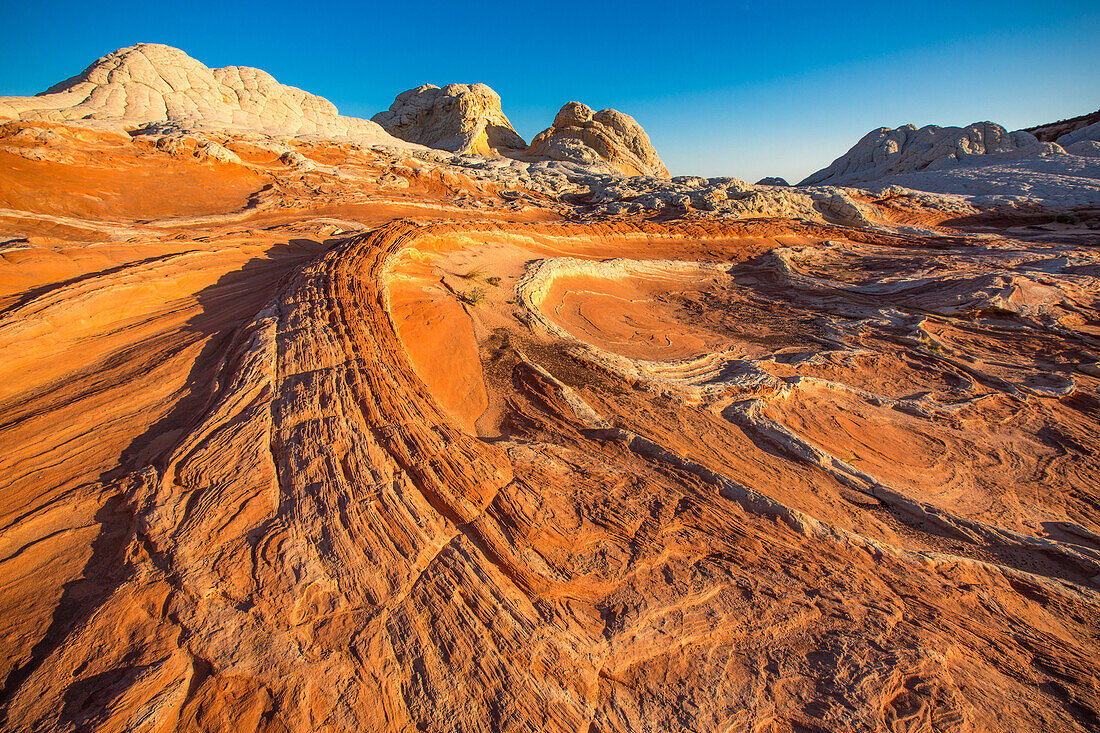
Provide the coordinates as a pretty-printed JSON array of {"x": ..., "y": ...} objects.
[
  {"x": 885, "y": 151},
  {"x": 151, "y": 82},
  {"x": 580, "y": 135},
  {"x": 461, "y": 118}
]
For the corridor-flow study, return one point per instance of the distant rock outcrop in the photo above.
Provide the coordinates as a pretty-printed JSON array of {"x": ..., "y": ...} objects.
[
  {"x": 151, "y": 82},
  {"x": 1053, "y": 131},
  {"x": 772, "y": 181},
  {"x": 580, "y": 135},
  {"x": 158, "y": 90},
  {"x": 885, "y": 152},
  {"x": 461, "y": 118},
  {"x": 1089, "y": 133}
]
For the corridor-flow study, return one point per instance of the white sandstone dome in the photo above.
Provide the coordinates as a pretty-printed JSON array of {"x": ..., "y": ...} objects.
[
  {"x": 461, "y": 118},
  {"x": 580, "y": 135},
  {"x": 151, "y": 82}
]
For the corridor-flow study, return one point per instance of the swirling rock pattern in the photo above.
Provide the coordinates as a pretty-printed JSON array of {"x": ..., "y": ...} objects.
[{"x": 318, "y": 436}]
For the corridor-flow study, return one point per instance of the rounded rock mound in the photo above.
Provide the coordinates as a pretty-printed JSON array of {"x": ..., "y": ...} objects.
[
  {"x": 582, "y": 136},
  {"x": 461, "y": 118},
  {"x": 907, "y": 149},
  {"x": 151, "y": 82}
]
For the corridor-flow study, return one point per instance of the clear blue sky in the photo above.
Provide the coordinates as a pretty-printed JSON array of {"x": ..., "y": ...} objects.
[{"x": 746, "y": 89}]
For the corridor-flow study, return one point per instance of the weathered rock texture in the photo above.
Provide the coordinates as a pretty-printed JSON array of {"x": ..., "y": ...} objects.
[
  {"x": 304, "y": 435},
  {"x": 885, "y": 151},
  {"x": 982, "y": 161},
  {"x": 161, "y": 88},
  {"x": 580, "y": 135},
  {"x": 151, "y": 82},
  {"x": 461, "y": 118}
]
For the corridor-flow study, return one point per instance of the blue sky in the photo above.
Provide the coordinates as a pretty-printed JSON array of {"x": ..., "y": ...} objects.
[{"x": 744, "y": 89}]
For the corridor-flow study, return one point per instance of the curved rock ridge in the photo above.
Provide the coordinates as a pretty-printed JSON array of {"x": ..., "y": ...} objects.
[
  {"x": 461, "y": 118},
  {"x": 326, "y": 437},
  {"x": 907, "y": 149},
  {"x": 151, "y": 82},
  {"x": 580, "y": 135}
]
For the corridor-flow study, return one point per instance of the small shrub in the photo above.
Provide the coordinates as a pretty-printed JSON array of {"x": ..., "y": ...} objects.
[
  {"x": 931, "y": 345},
  {"x": 474, "y": 274},
  {"x": 1067, "y": 219},
  {"x": 494, "y": 281},
  {"x": 473, "y": 296}
]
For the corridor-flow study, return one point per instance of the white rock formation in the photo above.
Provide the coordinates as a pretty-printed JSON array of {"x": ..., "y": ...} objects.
[
  {"x": 582, "y": 136},
  {"x": 982, "y": 161},
  {"x": 1091, "y": 132},
  {"x": 885, "y": 152},
  {"x": 1084, "y": 148},
  {"x": 160, "y": 92},
  {"x": 461, "y": 118},
  {"x": 150, "y": 83},
  {"x": 1053, "y": 179}
]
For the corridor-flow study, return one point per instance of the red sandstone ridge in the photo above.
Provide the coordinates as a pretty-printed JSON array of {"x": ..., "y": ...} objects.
[{"x": 303, "y": 434}]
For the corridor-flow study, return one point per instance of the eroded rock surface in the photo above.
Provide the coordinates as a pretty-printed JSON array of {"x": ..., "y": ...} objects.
[
  {"x": 983, "y": 161},
  {"x": 301, "y": 434},
  {"x": 580, "y": 135},
  {"x": 151, "y": 82},
  {"x": 461, "y": 118},
  {"x": 907, "y": 149}
]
